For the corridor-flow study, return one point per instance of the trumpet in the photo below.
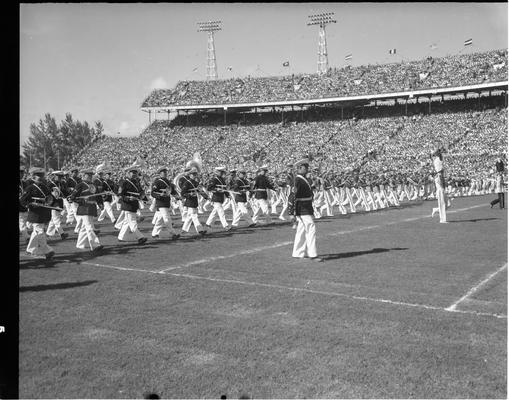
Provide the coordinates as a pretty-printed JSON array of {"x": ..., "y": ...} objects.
[{"x": 95, "y": 195}]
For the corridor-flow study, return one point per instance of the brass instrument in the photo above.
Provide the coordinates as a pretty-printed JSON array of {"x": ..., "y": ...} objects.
[{"x": 44, "y": 202}]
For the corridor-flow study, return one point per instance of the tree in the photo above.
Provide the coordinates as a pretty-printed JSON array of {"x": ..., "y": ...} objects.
[{"x": 50, "y": 145}]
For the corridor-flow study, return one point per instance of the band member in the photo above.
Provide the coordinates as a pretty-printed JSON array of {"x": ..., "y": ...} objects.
[
  {"x": 58, "y": 191},
  {"x": 499, "y": 187},
  {"x": 23, "y": 229},
  {"x": 217, "y": 185},
  {"x": 440, "y": 186},
  {"x": 34, "y": 198},
  {"x": 86, "y": 195},
  {"x": 260, "y": 187},
  {"x": 162, "y": 189},
  {"x": 72, "y": 182},
  {"x": 181, "y": 206},
  {"x": 241, "y": 186},
  {"x": 190, "y": 189},
  {"x": 108, "y": 186},
  {"x": 230, "y": 201},
  {"x": 131, "y": 192},
  {"x": 301, "y": 209}
]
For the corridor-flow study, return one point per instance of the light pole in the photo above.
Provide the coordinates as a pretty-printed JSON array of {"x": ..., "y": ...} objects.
[
  {"x": 210, "y": 27},
  {"x": 322, "y": 20}
]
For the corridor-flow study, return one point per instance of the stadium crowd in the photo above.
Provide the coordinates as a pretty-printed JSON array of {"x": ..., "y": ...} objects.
[{"x": 450, "y": 71}]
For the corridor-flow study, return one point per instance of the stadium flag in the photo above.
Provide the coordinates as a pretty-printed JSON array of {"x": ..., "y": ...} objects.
[
  {"x": 195, "y": 69},
  {"x": 348, "y": 57},
  {"x": 392, "y": 51},
  {"x": 286, "y": 64},
  {"x": 496, "y": 67},
  {"x": 229, "y": 68},
  {"x": 468, "y": 42},
  {"x": 433, "y": 46}
]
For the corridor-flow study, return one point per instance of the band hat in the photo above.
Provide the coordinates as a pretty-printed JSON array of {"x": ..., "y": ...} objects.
[
  {"x": 289, "y": 165},
  {"x": 161, "y": 169},
  {"x": 87, "y": 171},
  {"x": 193, "y": 170},
  {"x": 241, "y": 171},
  {"x": 74, "y": 169},
  {"x": 220, "y": 168},
  {"x": 304, "y": 161},
  {"x": 134, "y": 167},
  {"x": 37, "y": 170},
  {"x": 59, "y": 173},
  {"x": 264, "y": 167},
  {"x": 233, "y": 170}
]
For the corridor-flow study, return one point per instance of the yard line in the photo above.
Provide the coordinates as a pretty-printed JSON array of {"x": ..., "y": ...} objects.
[
  {"x": 453, "y": 306},
  {"x": 281, "y": 244},
  {"x": 114, "y": 267},
  {"x": 298, "y": 289}
]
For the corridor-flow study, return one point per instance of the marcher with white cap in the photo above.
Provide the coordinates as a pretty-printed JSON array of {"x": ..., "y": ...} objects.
[
  {"x": 190, "y": 189},
  {"x": 241, "y": 186},
  {"x": 71, "y": 183},
  {"x": 162, "y": 189},
  {"x": 439, "y": 178},
  {"x": 108, "y": 186},
  {"x": 58, "y": 191},
  {"x": 301, "y": 209},
  {"x": 131, "y": 193},
  {"x": 23, "y": 229},
  {"x": 217, "y": 185},
  {"x": 35, "y": 197},
  {"x": 85, "y": 194},
  {"x": 260, "y": 186}
]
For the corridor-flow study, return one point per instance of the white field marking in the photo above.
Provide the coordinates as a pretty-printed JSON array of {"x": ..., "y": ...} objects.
[
  {"x": 298, "y": 289},
  {"x": 212, "y": 259},
  {"x": 114, "y": 267},
  {"x": 281, "y": 244},
  {"x": 453, "y": 306}
]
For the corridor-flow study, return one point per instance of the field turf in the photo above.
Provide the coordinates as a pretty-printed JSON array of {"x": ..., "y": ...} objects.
[{"x": 402, "y": 307}]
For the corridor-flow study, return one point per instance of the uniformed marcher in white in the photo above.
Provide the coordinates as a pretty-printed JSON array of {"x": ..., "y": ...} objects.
[
  {"x": 301, "y": 209},
  {"x": 131, "y": 193},
  {"x": 162, "y": 190},
  {"x": 190, "y": 189},
  {"x": 86, "y": 194},
  {"x": 58, "y": 191},
  {"x": 217, "y": 185},
  {"x": 241, "y": 186},
  {"x": 440, "y": 186},
  {"x": 108, "y": 186},
  {"x": 23, "y": 229},
  {"x": 260, "y": 186},
  {"x": 35, "y": 198}
]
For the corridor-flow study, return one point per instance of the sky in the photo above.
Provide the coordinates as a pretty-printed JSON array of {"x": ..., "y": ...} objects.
[{"x": 100, "y": 61}]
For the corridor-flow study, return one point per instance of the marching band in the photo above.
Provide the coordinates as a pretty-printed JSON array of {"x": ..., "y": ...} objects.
[{"x": 303, "y": 194}]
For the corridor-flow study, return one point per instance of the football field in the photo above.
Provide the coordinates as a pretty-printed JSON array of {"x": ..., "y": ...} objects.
[{"x": 402, "y": 307}]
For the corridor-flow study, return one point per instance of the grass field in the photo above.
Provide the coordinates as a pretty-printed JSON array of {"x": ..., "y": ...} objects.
[{"x": 402, "y": 307}]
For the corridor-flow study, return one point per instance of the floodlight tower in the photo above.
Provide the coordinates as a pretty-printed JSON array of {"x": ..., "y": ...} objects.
[
  {"x": 322, "y": 20},
  {"x": 210, "y": 27}
]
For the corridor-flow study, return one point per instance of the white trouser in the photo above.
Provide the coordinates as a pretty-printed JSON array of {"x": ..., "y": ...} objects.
[
  {"x": 129, "y": 223},
  {"x": 262, "y": 208},
  {"x": 86, "y": 235},
  {"x": 71, "y": 211},
  {"x": 192, "y": 216},
  {"x": 219, "y": 211},
  {"x": 117, "y": 202},
  {"x": 23, "y": 225},
  {"x": 305, "y": 237},
  {"x": 163, "y": 219},
  {"x": 54, "y": 225},
  {"x": 241, "y": 211},
  {"x": 392, "y": 197},
  {"x": 441, "y": 204},
  {"x": 120, "y": 220},
  {"x": 152, "y": 207},
  {"x": 38, "y": 245},
  {"x": 107, "y": 210}
]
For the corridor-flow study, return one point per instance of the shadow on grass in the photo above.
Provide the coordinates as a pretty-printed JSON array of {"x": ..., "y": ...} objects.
[
  {"x": 473, "y": 220},
  {"x": 55, "y": 286},
  {"x": 335, "y": 256}
]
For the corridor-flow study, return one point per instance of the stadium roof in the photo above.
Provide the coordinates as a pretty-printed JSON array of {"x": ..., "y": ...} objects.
[{"x": 350, "y": 99}]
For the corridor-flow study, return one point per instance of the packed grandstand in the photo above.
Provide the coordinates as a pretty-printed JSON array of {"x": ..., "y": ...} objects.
[{"x": 371, "y": 141}]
